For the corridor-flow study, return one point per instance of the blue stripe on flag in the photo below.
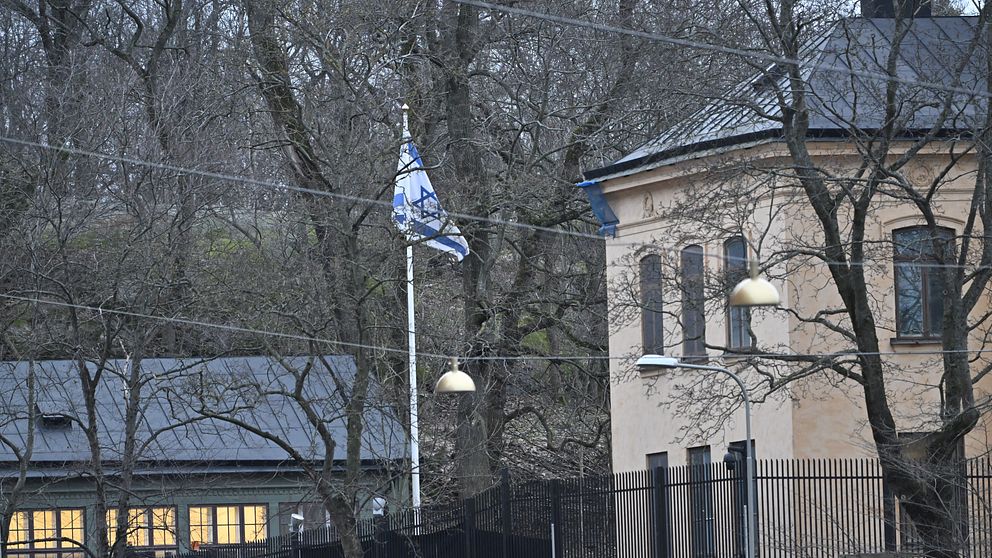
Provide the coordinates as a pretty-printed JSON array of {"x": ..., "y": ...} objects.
[
  {"x": 416, "y": 156},
  {"x": 399, "y": 208},
  {"x": 435, "y": 235}
]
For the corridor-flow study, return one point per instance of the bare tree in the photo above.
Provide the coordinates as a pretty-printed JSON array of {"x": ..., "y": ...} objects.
[
  {"x": 120, "y": 213},
  {"x": 320, "y": 390},
  {"x": 17, "y": 429},
  {"x": 913, "y": 147}
]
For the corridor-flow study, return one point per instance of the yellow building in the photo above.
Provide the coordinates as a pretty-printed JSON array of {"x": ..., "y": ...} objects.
[{"x": 691, "y": 207}]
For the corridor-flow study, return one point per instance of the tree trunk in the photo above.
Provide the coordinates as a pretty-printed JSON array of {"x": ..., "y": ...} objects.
[{"x": 337, "y": 255}]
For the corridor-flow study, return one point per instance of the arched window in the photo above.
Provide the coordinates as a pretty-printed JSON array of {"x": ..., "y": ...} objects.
[
  {"x": 693, "y": 317},
  {"x": 738, "y": 318},
  {"x": 652, "y": 336},
  {"x": 919, "y": 283}
]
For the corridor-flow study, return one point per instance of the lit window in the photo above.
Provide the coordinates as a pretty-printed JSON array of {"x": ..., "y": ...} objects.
[
  {"x": 60, "y": 532},
  {"x": 45, "y": 529},
  {"x": 71, "y": 525},
  {"x": 146, "y": 527},
  {"x": 201, "y": 526},
  {"x": 163, "y": 526},
  {"x": 254, "y": 523},
  {"x": 738, "y": 318},
  {"x": 919, "y": 283},
  {"x": 20, "y": 530},
  {"x": 227, "y": 524}
]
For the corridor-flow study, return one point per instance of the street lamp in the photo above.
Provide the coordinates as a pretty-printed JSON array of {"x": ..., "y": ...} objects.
[
  {"x": 753, "y": 291},
  {"x": 296, "y": 523},
  {"x": 378, "y": 506},
  {"x": 454, "y": 380},
  {"x": 296, "y": 528}
]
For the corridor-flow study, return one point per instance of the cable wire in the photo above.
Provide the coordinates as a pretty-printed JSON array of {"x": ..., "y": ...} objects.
[
  {"x": 657, "y": 37},
  {"x": 275, "y": 186},
  {"x": 561, "y": 358},
  {"x": 212, "y": 325},
  {"x": 310, "y": 191},
  {"x": 771, "y": 58}
]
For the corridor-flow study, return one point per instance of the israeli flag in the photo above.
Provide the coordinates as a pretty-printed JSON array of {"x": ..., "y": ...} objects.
[{"x": 416, "y": 209}]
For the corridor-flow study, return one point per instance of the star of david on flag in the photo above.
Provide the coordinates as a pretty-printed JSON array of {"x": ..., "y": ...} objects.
[{"x": 417, "y": 211}]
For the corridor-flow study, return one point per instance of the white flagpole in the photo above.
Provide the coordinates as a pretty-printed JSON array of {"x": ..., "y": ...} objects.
[
  {"x": 412, "y": 338},
  {"x": 414, "y": 427}
]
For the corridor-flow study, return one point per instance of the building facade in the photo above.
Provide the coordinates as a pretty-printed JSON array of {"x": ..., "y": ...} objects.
[
  {"x": 206, "y": 463},
  {"x": 692, "y": 207}
]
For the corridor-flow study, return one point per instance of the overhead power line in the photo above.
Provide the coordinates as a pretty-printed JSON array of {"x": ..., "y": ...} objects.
[
  {"x": 276, "y": 186},
  {"x": 557, "y": 358},
  {"x": 765, "y": 57},
  {"x": 572, "y": 22}
]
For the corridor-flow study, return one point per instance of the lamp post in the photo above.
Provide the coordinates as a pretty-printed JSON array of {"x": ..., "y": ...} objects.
[
  {"x": 452, "y": 381},
  {"x": 659, "y": 362},
  {"x": 296, "y": 531},
  {"x": 753, "y": 291}
]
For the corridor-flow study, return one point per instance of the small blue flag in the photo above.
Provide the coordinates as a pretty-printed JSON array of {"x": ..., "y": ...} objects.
[{"x": 416, "y": 209}]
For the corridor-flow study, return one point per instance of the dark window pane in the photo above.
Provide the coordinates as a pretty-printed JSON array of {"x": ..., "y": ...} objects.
[
  {"x": 661, "y": 506},
  {"x": 699, "y": 455},
  {"x": 702, "y": 532},
  {"x": 909, "y": 286},
  {"x": 652, "y": 336},
  {"x": 912, "y": 243},
  {"x": 739, "y": 497},
  {"x": 736, "y": 252},
  {"x": 656, "y": 460},
  {"x": 738, "y": 319},
  {"x": 919, "y": 281},
  {"x": 314, "y": 515},
  {"x": 935, "y": 301},
  {"x": 693, "y": 318}
]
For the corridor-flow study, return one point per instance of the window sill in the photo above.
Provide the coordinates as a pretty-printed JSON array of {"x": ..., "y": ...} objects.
[{"x": 913, "y": 341}]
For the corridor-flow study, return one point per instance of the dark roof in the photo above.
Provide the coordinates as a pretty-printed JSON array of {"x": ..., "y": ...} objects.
[
  {"x": 230, "y": 383},
  {"x": 838, "y": 101}
]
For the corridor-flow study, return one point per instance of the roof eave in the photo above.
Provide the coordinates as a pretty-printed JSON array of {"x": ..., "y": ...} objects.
[
  {"x": 661, "y": 158},
  {"x": 9, "y": 469}
]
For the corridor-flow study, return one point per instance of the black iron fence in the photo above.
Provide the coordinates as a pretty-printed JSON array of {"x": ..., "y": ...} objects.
[{"x": 805, "y": 508}]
